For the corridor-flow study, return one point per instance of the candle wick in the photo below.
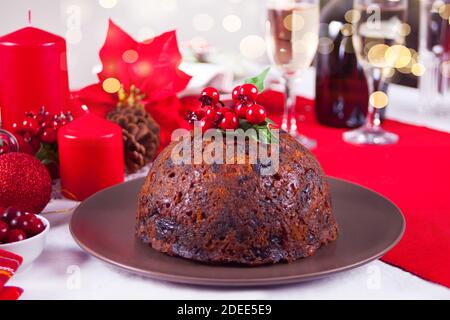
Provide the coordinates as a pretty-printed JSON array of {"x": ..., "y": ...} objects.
[{"x": 29, "y": 17}]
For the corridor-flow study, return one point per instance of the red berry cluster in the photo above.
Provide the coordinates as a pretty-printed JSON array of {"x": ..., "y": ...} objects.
[
  {"x": 16, "y": 225},
  {"x": 41, "y": 126},
  {"x": 213, "y": 114}
]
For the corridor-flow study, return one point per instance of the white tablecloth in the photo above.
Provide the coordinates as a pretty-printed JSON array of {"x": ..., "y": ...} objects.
[{"x": 64, "y": 271}]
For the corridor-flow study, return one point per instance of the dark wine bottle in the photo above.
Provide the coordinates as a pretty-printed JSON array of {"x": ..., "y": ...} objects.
[{"x": 341, "y": 87}]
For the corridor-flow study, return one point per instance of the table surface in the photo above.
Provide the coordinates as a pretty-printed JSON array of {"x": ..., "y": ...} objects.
[{"x": 64, "y": 271}]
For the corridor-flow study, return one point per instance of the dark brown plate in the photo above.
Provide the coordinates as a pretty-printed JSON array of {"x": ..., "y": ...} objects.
[{"x": 370, "y": 225}]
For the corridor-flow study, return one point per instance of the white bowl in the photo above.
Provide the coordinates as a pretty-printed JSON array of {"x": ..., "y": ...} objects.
[{"x": 30, "y": 248}]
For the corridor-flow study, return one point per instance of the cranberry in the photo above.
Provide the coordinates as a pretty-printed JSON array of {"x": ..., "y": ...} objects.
[
  {"x": 3, "y": 230},
  {"x": 210, "y": 95},
  {"x": 256, "y": 114},
  {"x": 235, "y": 94},
  {"x": 15, "y": 235},
  {"x": 24, "y": 223},
  {"x": 49, "y": 135},
  {"x": 9, "y": 214},
  {"x": 249, "y": 90},
  {"x": 229, "y": 121},
  {"x": 36, "y": 227},
  {"x": 241, "y": 109}
]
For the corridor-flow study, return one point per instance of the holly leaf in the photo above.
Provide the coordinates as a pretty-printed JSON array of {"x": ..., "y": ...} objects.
[
  {"x": 258, "y": 81},
  {"x": 48, "y": 153}
]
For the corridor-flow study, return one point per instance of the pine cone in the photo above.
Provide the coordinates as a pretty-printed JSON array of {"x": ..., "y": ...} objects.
[{"x": 140, "y": 135}]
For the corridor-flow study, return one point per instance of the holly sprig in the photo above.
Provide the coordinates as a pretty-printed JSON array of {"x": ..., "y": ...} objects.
[{"x": 263, "y": 130}]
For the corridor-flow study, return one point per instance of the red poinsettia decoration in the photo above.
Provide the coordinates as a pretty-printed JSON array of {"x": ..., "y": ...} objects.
[{"x": 151, "y": 66}]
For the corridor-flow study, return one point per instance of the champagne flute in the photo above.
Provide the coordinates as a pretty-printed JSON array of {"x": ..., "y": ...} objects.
[
  {"x": 292, "y": 36},
  {"x": 378, "y": 40}
]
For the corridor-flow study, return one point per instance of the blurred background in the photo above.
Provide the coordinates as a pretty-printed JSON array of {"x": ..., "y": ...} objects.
[{"x": 234, "y": 29}]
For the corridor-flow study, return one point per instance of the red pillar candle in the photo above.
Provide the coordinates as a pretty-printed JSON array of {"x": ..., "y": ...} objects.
[
  {"x": 33, "y": 73},
  {"x": 90, "y": 156}
]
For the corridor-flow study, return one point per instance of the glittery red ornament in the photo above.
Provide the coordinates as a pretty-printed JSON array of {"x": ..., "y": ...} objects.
[{"x": 25, "y": 182}]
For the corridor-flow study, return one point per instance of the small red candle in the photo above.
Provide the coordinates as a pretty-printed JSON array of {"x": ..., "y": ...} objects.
[
  {"x": 90, "y": 156},
  {"x": 33, "y": 69}
]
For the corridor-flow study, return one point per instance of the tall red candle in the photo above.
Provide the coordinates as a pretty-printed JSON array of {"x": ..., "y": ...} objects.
[
  {"x": 90, "y": 156},
  {"x": 33, "y": 73}
]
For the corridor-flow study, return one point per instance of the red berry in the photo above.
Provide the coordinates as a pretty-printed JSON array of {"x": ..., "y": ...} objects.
[
  {"x": 249, "y": 90},
  {"x": 241, "y": 109},
  {"x": 24, "y": 223},
  {"x": 229, "y": 121},
  {"x": 3, "y": 230},
  {"x": 36, "y": 227},
  {"x": 235, "y": 94},
  {"x": 211, "y": 95},
  {"x": 31, "y": 125},
  {"x": 15, "y": 235},
  {"x": 223, "y": 110},
  {"x": 256, "y": 114},
  {"x": 205, "y": 125},
  {"x": 9, "y": 214},
  {"x": 211, "y": 115},
  {"x": 49, "y": 135},
  {"x": 16, "y": 128}
]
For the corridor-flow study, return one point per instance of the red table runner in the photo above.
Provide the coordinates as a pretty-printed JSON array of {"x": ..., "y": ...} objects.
[{"x": 414, "y": 174}]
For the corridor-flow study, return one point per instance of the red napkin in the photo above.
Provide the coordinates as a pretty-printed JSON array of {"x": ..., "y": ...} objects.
[{"x": 9, "y": 263}]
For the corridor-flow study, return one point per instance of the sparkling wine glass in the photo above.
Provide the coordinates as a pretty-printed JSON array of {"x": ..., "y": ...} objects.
[
  {"x": 378, "y": 38},
  {"x": 292, "y": 36}
]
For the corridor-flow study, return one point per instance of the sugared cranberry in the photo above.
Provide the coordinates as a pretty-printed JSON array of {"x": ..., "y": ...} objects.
[
  {"x": 241, "y": 109},
  {"x": 229, "y": 121},
  {"x": 249, "y": 90},
  {"x": 256, "y": 114},
  {"x": 235, "y": 94},
  {"x": 36, "y": 227},
  {"x": 15, "y": 235},
  {"x": 210, "y": 95},
  {"x": 3, "y": 230}
]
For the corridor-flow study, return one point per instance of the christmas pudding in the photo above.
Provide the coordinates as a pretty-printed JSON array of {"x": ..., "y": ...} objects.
[{"x": 232, "y": 213}]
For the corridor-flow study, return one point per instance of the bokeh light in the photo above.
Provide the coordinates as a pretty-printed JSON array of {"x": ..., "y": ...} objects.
[
  {"x": 231, "y": 23},
  {"x": 111, "y": 85},
  {"x": 379, "y": 99},
  {"x": 108, "y": 4},
  {"x": 377, "y": 55},
  {"x": 203, "y": 22},
  {"x": 398, "y": 56},
  {"x": 252, "y": 46},
  {"x": 418, "y": 69},
  {"x": 130, "y": 56},
  {"x": 326, "y": 45},
  {"x": 352, "y": 16},
  {"x": 294, "y": 22}
]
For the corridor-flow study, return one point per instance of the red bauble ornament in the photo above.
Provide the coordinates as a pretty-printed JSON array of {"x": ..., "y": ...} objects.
[{"x": 25, "y": 182}]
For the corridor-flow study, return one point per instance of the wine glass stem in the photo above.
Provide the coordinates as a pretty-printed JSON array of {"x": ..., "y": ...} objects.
[
  {"x": 289, "y": 122},
  {"x": 375, "y": 83}
]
